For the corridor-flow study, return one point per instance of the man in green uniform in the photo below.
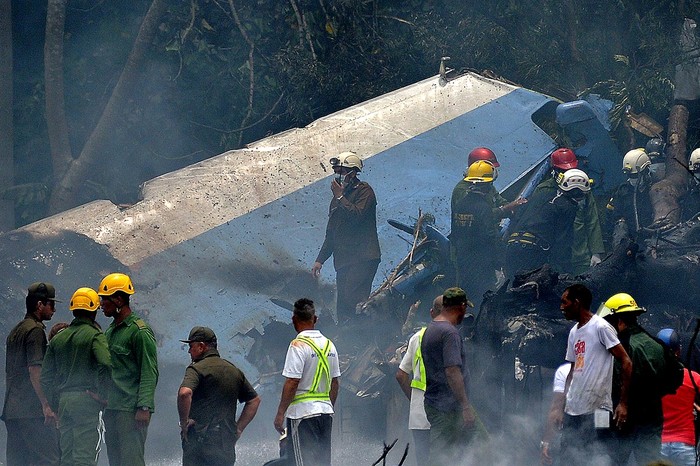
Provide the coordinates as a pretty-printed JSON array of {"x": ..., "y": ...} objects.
[
  {"x": 206, "y": 403},
  {"x": 32, "y": 438},
  {"x": 132, "y": 347},
  {"x": 75, "y": 378},
  {"x": 587, "y": 247}
]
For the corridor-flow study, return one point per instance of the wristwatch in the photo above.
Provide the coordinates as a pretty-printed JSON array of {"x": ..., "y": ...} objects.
[
  {"x": 544, "y": 444},
  {"x": 144, "y": 408}
]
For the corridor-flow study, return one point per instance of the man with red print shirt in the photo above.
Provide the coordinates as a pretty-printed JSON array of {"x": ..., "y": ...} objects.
[{"x": 592, "y": 345}]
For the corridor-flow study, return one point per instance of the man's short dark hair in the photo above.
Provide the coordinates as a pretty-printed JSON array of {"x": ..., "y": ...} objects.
[
  {"x": 579, "y": 292},
  {"x": 31, "y": 302},
  {"x": 125, "y": 296},
  {"x": 304, "y": 310}
]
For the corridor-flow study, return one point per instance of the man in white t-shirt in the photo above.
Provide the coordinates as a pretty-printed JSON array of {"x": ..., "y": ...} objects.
[
  {"x": 411, "y": 378},
  {"x": 592, "y": 345},
  {"x": 310, "y": 390}
]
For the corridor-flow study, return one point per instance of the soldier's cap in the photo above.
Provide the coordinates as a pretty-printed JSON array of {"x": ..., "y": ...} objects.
[
  {"x": 43, "y": 290},
  {"x": 454, "y": 297},
  {"x": 201, "y": 335}
]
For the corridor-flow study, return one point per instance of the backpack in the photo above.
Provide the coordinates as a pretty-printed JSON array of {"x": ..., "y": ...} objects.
[{"x": 673, "y": 372}]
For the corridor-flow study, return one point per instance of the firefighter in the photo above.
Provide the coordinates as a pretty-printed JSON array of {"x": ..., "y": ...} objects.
[
  {"x": 501, "y": 207},
  {"x": 545, "y": 231},
  {"x": 75, "y": 377},
  {"x": 351, "y": 235},
  {"x": 641, "y": 434},
  {"x": 629, "y": 208},
  {"x": 132, "y": 347},
  {"x": 474, "y": 239},
  {"x": 588, "y": 247}
]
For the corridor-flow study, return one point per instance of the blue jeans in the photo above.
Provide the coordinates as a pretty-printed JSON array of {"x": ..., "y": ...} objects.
[{"x": 680, "y": 454}]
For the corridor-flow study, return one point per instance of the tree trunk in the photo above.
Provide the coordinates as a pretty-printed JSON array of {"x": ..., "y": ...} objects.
[
  {"x": 64, "y": 191},
  {"x": 56, "y": 123},
  {"x": 7, "y": 211},
  {"x": 666, "y": 194}
]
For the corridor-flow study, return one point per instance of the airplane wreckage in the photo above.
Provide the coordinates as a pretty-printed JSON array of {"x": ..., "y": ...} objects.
[{"x": 229, "y": 241}]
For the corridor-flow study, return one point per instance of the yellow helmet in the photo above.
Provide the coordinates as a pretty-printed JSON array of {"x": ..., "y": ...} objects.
[
  {"x": 618, "y": 304},
  {"x": 481, "y": 171},
  {"x": 115, "y": 282},
  {"x": 84, "y": 298}
]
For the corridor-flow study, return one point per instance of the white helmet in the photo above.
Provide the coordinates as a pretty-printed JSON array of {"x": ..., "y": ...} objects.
[
  {"x": 694, "y": 160},
  {"x": 574, "y": 179},
  {"x": 635, "y": 161},
  {"x": 347, "y": 160}
]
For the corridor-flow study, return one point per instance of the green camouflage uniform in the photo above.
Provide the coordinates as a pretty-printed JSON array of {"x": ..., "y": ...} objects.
[
  {"x": 77, "y": 360},
  {"x": 132, "y": 346}
]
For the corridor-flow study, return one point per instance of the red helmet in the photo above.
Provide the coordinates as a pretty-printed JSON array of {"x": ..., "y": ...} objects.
[
  {"x": 483, "y": 153},
  {"x": 564, "y": 159}
]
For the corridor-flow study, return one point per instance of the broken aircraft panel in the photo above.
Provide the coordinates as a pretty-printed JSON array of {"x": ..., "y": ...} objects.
[{"x": 211, "y": 243}]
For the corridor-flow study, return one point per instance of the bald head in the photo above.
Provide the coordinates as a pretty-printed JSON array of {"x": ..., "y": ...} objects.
[{"x": 436, "y": 309}]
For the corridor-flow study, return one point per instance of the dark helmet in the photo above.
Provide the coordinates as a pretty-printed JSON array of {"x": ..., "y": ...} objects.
[
  {"x": 483, "y": 153},
  {"x": 564, "y": 159},
  {"x": 655, "y": 147},
  {"x": 670, "y": 338}
]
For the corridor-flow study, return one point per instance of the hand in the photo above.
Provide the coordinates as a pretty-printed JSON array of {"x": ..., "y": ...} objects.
[
  {"x": 595, "y": 260},
  {"x": 316, "y": 269},
  {"x": 511, "y": 206},
  {"x": 545, "y": 457},
  {"x": 468, "y": 417},
  {"x": 337, "y": 188},
  {"x": 620, "y": 416},
  {"x": 143, "y": 418},
  {"x": 279, "y": 423},
  {"x": 96, "y": 397},
  {"x": 50, "y": 418},
  {"x": 185, "y": 428}
]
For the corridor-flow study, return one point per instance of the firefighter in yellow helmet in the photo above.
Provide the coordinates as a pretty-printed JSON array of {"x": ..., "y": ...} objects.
[
  {"x": 75, "y": 377},
  {"x": 475, "y": 244},
  {"x": 641, "y": 434},
  {"x": 132, "y": 346},
  {"x": 351, "y": 235}
]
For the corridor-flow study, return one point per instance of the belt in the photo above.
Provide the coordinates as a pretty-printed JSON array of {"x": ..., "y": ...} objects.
[{"x": 525, "y": 239}]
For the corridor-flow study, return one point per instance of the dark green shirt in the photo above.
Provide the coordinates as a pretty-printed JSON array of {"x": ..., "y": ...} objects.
[
  {"x": 77, "y": 359},
  {"x": 588, "y": 236},
  {"x": 26, "y": 346},
  {"x": 217, "y": 386},
  {"x": 132, "y": 347}
]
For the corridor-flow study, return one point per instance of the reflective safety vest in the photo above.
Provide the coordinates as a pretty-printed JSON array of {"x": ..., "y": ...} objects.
[
  {"x": 323, "y": 372},
  {"x": 418, "y": 366}
]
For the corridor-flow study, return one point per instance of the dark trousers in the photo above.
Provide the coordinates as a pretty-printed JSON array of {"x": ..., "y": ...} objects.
[
  {"x": 125, "y": 443},
  {"x": 581, "y": 443},
  {"x": 448, "y": 436},
  {"x": 31, "y": 443},
  {"x": 354, "y": 284},
  {"x": 310, "y": 440},
  {"x": 214, "y": 445},
  {"x": 642, "y": 441},
  {"x": 524, "y": 257}
]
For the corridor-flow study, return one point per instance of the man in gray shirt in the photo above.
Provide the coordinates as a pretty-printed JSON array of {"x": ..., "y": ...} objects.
[{"x": 453, "y": 420}]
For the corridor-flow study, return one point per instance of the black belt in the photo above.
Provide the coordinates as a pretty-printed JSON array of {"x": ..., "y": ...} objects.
[{"x": 525, "y": 239}]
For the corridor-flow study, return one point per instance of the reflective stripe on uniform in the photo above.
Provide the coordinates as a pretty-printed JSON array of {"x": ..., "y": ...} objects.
[
  {"x": 322, "y": 371},
  {"x": 420, "y": 382}
]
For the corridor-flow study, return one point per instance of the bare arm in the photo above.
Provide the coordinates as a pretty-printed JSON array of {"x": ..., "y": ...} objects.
[
  {"x": 619, "y": 353},
  {"x": 250, "y": 408},
  {"x": 35, "y": 377},
  {"x": 456, "y": 383},
  {"x": 184, "y": 403},
  {"x": 554, "y": 423},
  {"x": 404, "y": 381},
  {"x": 334, "y": 390},
  {"x": 288, "y": 391}
]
